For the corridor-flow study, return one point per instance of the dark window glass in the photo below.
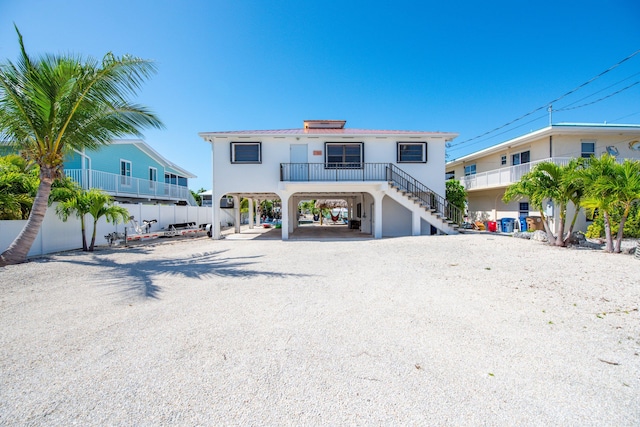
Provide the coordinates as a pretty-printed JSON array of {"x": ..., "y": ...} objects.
[
  {"x": 246, "y": 152},
  {"x": 343, "y": 156},
  {"x": 411, "y": 153}
]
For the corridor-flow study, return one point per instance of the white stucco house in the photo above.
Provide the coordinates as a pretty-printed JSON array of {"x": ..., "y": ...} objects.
[
  {"x": 392, "y": 181},
  {"x": 487, "y": 173}
]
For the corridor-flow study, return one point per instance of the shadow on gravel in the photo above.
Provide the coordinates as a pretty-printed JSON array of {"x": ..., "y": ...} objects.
[{"x": 138, "y": 276}]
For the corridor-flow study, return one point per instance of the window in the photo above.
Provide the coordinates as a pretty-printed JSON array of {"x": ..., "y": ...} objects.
[
  {"x": 344, "y": 155},
  {"x": 153, "y": 177},
  {"x": 588, "y": 149},
  {"x": 412, "y": 152},
  {"x": 470, "y": 170},
  {"x": 450, "y": 175},
  {"x": 524, "y": 209},
  {"x": 520, "y": 158},
  {"x": 125, "y": 172},
  {"x": 246, "y": 152},
  {"x": 503, "y": 160}
]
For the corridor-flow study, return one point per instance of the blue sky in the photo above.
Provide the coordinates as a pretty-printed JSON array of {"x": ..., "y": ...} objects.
[{"x": 466, "y": 67}]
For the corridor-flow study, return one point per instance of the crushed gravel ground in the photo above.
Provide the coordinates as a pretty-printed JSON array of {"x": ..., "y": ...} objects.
[{"x": 464, "y": 330}]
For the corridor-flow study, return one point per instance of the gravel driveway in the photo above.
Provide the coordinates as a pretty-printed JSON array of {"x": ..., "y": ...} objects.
[{"x": 436, "y": 330}]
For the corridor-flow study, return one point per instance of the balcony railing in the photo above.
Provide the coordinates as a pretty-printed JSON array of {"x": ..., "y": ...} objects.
[
  {"x": 505, "y": 176},
  {"x": 126, "y": 186},
  {"x": 333, "y": 171}
]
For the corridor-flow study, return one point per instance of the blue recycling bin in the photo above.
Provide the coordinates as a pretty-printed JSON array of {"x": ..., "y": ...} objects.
[
  {"x": 523, "y": 223},
  {"x": 507, "y": 225}
]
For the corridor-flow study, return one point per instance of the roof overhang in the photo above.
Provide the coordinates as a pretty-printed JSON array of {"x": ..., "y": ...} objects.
[{"x": 556, "y": 129}]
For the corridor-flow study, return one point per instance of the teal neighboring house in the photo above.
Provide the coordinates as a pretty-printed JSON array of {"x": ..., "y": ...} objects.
[{"x": 132, "y": 172}]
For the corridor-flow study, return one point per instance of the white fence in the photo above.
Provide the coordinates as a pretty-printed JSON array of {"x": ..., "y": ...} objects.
[{"x": 56, "y": 235}]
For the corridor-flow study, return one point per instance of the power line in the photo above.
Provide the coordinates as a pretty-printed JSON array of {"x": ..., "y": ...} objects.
[
  {"x": 601, "y": 99},
  {"x": 551, "y": 102}
]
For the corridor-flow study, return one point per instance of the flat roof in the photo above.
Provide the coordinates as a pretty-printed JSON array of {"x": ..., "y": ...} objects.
[{"x": 559, "y": 128}]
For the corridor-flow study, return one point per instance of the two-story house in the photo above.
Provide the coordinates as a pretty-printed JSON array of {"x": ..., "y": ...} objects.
[
  {"x": 132, "y": 172},
  {"x": 487, "y": 173},
  {"x": 392, "y": 181}
]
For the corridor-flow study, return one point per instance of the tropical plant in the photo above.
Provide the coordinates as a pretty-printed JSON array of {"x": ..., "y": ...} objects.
[
  {"x": 456, "y": 194},
  {"x": 555, "y": 183},
  {"x": 599, "y": 194},
  {"x": 18, "y": 186},
  {"x": 613, "y": 189},
  {"x": 57, "y": 103},
  {"x": 92, "y": 202}
]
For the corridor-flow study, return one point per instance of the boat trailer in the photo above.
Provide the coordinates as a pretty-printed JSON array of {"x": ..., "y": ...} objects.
[{"x": 138, "y": 233}]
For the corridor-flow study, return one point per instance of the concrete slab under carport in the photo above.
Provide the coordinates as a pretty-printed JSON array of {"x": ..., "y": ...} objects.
[{"x": 302, "y": 232}]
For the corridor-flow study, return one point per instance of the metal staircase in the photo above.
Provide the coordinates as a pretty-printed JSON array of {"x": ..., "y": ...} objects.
[{"x": 433, "y": 207}]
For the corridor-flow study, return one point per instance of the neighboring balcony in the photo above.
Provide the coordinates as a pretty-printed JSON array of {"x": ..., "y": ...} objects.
[
  {"x": 506, "y": 176},
  {"x": 129, "y": 187},
  {"x": 334, "y": 172}
]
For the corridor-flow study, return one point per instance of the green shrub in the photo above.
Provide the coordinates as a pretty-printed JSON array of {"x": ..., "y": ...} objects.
[{"x": 631, "y": 225}]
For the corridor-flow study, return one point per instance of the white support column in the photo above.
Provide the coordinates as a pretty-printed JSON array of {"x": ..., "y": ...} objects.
[
  {"x": 215, "y": 216},
  {"x": 286, "y": 217},
  {"x": 293, "y": 214},
  {"x": 415, "y": 222},
  {"x": 377, "y": 216},
  {"x": 251, "y": 216},
  {"x": 236, "y": 211}
]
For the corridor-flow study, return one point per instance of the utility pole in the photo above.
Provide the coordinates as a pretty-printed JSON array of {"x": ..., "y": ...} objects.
[{"x": 550, "y": 110}]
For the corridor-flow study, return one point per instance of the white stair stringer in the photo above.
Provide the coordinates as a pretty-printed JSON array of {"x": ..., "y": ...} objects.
[{"x": 432, "y": 217}]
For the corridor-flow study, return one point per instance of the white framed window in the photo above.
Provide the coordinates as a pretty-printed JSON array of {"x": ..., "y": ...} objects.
[
  {"x": 347, "y": 156},
  {"x": 521, "y": 158},
  {"x": 450, "y": 175},
  {"x": 246, "y": 152},
  {"x": 412, "y": 152},
  {"x": 153, "y": 177},
  {"x": 587, "y": 148},
  {"x": 470, "y": 170},
  {"x": 125, "y": 172}
]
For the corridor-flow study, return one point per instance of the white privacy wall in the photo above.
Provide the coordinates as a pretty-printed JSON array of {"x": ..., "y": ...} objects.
[{"x": 56, "y": 235}]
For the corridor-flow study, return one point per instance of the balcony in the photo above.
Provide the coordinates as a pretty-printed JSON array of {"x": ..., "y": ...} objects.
[
  {"x": 506, "y": 176},
  {"x": 300, "y": 172},
  {"x": 129, "y": 187}
]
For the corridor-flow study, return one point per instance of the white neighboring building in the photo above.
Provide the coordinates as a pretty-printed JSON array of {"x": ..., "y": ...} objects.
[
  {"x": 393, "y": 181},
  {"x": 487, "y": 173}
]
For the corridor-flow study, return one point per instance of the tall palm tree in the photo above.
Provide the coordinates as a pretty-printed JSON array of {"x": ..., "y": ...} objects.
[{"x": 53, "y": 104}]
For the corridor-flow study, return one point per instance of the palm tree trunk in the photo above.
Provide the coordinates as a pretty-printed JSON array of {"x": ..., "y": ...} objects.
[
  {"x": 618, "y": 246},
  {"x": 84, "y": 237},
  {"x": 93, "y": 235},
  {"x": 17, "y": 252},
  {"x": 607, "y": 232},
  {"x": 573, "y": 223},
  {"x": 560, "y": 241},
  {"x": 550, "y": 237}
]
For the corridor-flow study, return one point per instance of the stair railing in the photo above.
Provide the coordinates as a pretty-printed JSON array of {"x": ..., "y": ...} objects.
[{"x": 427, "y": 197}]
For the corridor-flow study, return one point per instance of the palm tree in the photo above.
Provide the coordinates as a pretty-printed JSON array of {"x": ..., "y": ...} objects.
[
  {"x": 626, "y": 187},
  {"x": 612, "y": 187},
  {"x": 100, "y": 205},
  {"x": 53, "y": 104},
  {"x": 561, "y": 185},
  {"x": 71, "y": 200},
  {"x": 600, "y": 193}
]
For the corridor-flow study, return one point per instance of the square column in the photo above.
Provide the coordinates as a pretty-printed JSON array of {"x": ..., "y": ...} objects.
[{"x": 251, "y": 216}]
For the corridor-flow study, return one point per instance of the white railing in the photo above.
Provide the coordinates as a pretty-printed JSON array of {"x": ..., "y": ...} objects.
[
  {"x": 126, "y": 186},
  {"x": 505, "y": 176}
]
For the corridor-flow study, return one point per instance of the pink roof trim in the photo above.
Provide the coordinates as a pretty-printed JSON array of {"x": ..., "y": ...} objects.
[{"x": 327, "y": 132}]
